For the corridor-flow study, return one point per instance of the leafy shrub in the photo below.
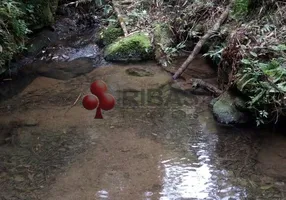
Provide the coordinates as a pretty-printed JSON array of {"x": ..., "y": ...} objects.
[
  {"x": 265, "y": 84},
  {"x": 13, "y": 30},
  {"x": 16, "y": 19},
  {"x": 215, "y": 54}
]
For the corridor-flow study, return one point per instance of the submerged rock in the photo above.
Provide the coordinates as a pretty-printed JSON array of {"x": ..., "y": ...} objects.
[
  {"x": 136, "y": 47},
  {"x": 227, "y": 109},
  {"x": 63, "y": 70}
]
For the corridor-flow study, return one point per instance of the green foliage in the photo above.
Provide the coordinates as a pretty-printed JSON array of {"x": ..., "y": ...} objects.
[
  {"x": 240, "y": 8},
  {"x": 215, "y": 54},
  {"x": 265, "y": 85},
  {"x": 172, "y": 52},
  {"x": 13, "y": 30},
  {"x": 110, "y": 34},
  {"x": 17, "y": 17}
]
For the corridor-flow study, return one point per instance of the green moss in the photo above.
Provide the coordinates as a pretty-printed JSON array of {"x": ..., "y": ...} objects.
[
  {"x": 136, "y": 47},
  {"x": 110, "y": 34}
]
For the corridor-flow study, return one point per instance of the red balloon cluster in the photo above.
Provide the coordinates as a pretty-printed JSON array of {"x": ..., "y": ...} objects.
[{"x": 100, "y": 99}]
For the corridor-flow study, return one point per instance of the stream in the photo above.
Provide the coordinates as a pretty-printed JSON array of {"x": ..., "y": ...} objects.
[{"x": 157, "y": 143}]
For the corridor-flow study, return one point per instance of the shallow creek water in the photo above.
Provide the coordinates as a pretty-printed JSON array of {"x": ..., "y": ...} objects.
[{"x": 150, "y": 148}]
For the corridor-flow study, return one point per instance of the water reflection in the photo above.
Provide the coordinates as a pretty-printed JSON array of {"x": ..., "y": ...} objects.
[
  {"x": 184, "y": 180},
  {"x": 199, "y": 177},
  {"x": 102, "y": 194}
]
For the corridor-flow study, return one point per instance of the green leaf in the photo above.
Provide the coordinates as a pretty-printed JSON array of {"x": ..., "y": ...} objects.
[
  {"x": 246, "y": 82},
  {"x": 280, "y": 47},
  {"x": 246, "y": 61},
  {"x": 282, "y": 86},
  {"x": 257, "y": 97},
  {"x": 253, "y": 54}
]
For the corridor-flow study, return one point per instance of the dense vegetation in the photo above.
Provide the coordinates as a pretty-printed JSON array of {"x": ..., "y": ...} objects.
[
  {"x": 17, "y": 19},
  {"x": 249, "y": 50}
]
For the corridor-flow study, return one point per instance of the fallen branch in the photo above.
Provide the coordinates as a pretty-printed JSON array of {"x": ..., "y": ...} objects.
[
  {"x": 120, "y": 17},
  {"x": 206, "y": 86},
  {"x": 201, "y": 43},
  {"x": 75, "y": 102}
]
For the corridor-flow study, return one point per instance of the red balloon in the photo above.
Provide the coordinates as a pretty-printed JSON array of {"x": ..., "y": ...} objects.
[
  {"x": 90, "y": 102},
  {"x": 107, "y": 101},
  {"x": 98, "y": 88}
]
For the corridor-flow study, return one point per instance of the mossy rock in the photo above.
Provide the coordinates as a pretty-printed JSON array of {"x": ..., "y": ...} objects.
[
  {"x": 162, "y": 40},
  {"x": 110, "y": 34},
  {"x": 136, "y": 47},
  {"x": 226, "y": 109}
]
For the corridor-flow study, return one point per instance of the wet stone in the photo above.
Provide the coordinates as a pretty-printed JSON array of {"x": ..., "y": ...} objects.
[{"x": 226, "y": 111}]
